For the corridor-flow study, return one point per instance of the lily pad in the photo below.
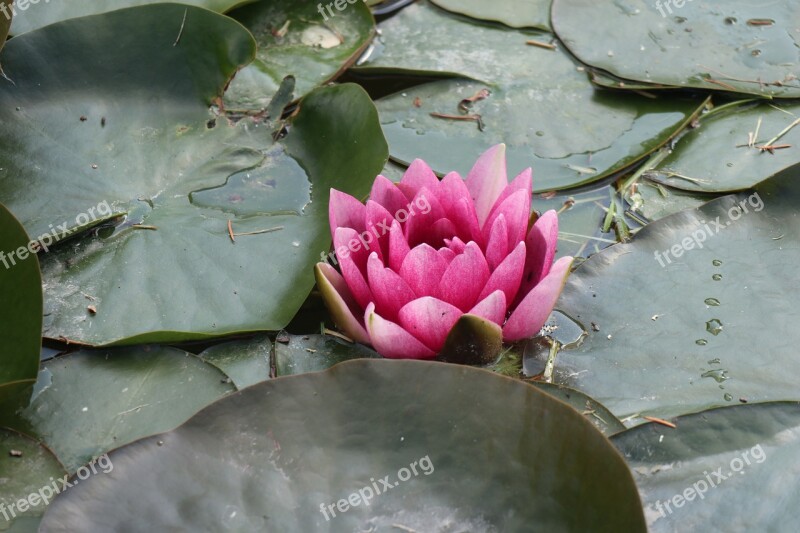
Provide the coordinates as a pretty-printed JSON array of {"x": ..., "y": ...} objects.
[
  {"x": 295, "y": 38},
  {"x": 43, "y": 12},
  {"x": 25, "y": 467},
  {"x": 737, "y": 46},
  {"x": 692, "y": 314},
  {"x": 705, "y": 470},
  {"x": 540, "y": 104},
  {"x": 246, "y": 361},
  {"x": 737, "y": 163},
  {"x": 21, "y": 312},
  {"x": 312, "y": 353},
  {"x": 514, "y": 13},
  {"x": 276, "y": 454},
  {"x": 90, "y": 402},
  {"x": 660, "y": 201},
  {"x": 142, "y": 145}
]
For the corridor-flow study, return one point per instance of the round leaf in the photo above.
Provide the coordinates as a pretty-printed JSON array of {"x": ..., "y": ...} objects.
[
  {"x": 705, "y": 470},
  {"x": 113, "y": 110},
  {"x": 91, "y": 402},
  {"x": 693, "y": 313},
  {"x": 734, "y": 46},
  {"x": 271, "y": 456}
]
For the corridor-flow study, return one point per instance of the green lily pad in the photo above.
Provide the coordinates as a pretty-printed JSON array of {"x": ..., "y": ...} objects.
[
  {"x": 90, "y": 402},
  {"x": 737, "y": 46},
  {"x": 707, "y": 470},
  {"x": 246, "y": 362},
  {"x": 182, "y": 179},
  {"x": 43, "y": 12},
  {"x": 311, "y": 353},
  {"x": 673, "y": 327},
  {"x": 20, "y": 312},
  {"x": 294, "y": 38},
  {"x": 272, "y": 456},
  {"x": 26, "y": 468},
  {"x": 514, "y": 13},
  {"x": 716, "y": 156},
  {"x": 541, "y": 104}
]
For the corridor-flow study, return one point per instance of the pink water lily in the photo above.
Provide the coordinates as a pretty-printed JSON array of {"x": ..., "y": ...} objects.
[{"x": 424, "y": 256}]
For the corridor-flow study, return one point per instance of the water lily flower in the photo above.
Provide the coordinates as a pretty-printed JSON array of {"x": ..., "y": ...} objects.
[{"x": 451, "y": 267}]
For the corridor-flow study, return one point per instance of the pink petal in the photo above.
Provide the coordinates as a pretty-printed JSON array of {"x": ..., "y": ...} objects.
[
  {"x": 497, "y": 245},
  {"x": 517, "y": 210},
  {"x": 422, "y": 269},
  {"x": 541, "y": 244},
  {"x": 456, "y": 244},
  {"x": 352, "y": 259},
  {"x": 532, "y": 313},
  {"x": 466, "y": 222},
  {"x": 452, "y": 189},
  {"x": 523, "y": 182},
  {"x": 426, "y": 210},
  {"x": 507, "y": 277},
  {"x": 389, "y": 291},
  {"x": 487, "y": 180},
  {"x": 492, "y": 308},
  {"x": 429, "y": 320},
  {"x": 388, "y": 195},
  {"x": 439, "y": 231},
  {"x": 392, "y": 341},
  {"x": 463, "y": 280},
  {"x": 447, "y": 254},
  {"x": 379, "y": 223},
  {"x": 418, "y": 176},
  {"x": 398, "y": 247},
  {"x": 340, "y": 302},
  {"x": 344, "y": 211}
]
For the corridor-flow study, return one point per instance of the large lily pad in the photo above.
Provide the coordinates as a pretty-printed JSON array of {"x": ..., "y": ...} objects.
[
  {"x": 514, "y": 13},
  {"x": 44, "y": 12},
  {"x": 245, "y": 361},
  {"x": 707, "y": 469},
  {"x": 184, "y": 180},
  {"x": 87, "y": 403},
  {"x": 294, "y": 38},
  {"x": 719, "y": 156},
  {"x": 20, "y": 312},
  {"x": 271, "y": 456},
  {"x": 742, "y": 46},
  {"x": 26, "y": 467},
  {"x": 710, "y": 326},
  {"x": 541, "y": 104}
]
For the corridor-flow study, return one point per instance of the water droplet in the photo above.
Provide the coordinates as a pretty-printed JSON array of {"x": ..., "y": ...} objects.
[
  {"x": 718, "y": 375},
  {"x": 680, "y": 20},
  {"x": 730, "y": 21},
  {"x": 729, "y": 164},
  {"x": 540, "y": 133},
  {"x": 755, "y": 53},
  {"x": 713, "y": 302},
  {"x": 716, "y": 277},
  {"x": 714, "y": 361},
  {"x": 701, "y": 342},
  {"x": 714, "y": 326},
  {"x": 728, "y": 397},
  {"x": 716, "y": 262}
]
